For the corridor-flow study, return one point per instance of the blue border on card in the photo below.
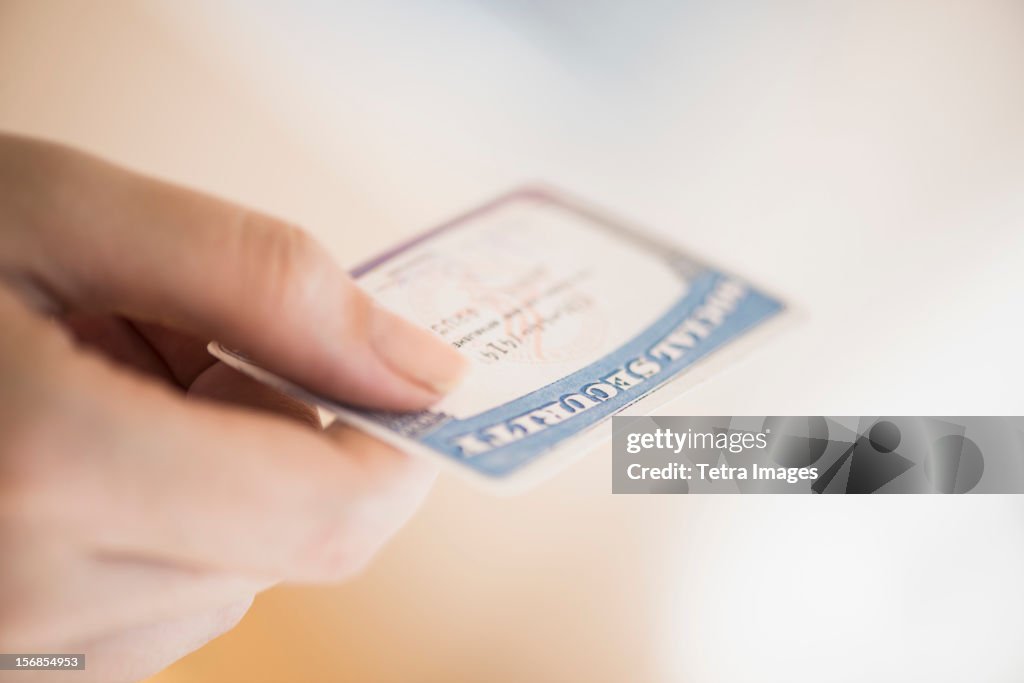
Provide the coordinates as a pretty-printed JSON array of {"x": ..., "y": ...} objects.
[
  {"x": 438, "y": 431},
  {"x": 752, "y": 309}
]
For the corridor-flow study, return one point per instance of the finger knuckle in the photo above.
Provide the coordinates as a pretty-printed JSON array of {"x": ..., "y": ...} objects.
[
  {"x": 340, "y": 548},
  {"x": 289, "y": 270}
]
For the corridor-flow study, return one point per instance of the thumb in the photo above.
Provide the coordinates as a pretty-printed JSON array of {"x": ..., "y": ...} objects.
[{"x": 97, "y": 237}]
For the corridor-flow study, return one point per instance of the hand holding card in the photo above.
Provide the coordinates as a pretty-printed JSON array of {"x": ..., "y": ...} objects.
[
  {"x": 147, "y": 491},
  {"x": 566, "y": 317}
]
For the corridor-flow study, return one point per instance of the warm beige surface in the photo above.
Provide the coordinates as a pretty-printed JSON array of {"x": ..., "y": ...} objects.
[
  {"x": 568, "y": 583},
  {"x": 111, "y": 77}
]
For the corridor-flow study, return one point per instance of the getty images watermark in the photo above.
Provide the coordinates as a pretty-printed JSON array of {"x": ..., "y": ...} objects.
[{"x": 757, "y": 454}]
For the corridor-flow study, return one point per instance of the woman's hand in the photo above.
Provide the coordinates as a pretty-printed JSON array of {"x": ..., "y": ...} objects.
[{"x": 135, "y": 522}]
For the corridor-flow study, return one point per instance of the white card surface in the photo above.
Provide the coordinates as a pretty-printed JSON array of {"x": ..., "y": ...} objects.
[{"x": 567, "y": 317}]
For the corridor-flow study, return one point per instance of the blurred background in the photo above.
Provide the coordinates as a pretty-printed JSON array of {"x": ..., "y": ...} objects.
[{"x": 864, "y": 160}]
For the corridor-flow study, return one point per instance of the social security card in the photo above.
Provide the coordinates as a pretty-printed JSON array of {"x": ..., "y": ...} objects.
[{"x": 567, "y": 317}]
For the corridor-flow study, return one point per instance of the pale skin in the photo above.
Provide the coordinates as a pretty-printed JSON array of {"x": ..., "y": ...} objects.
[{"x": 147, "y": 491}]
